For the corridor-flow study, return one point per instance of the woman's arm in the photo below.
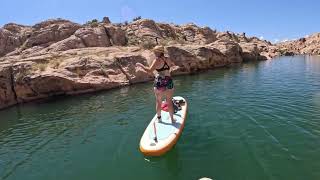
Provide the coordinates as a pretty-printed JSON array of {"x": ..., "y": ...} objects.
[
  {"x": 149, "y": 69},
  {"x": 173, "y": 67}
]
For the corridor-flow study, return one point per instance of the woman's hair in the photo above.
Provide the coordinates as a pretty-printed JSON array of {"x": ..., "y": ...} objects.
[{"x": 159, "y": 51}]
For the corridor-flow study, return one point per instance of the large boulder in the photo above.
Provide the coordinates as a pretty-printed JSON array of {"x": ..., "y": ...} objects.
[
  {"x": 38, "y": 78},
  {"x": 14, "y": 28},
  {"x": 106, "y": 20},
  {"x": 168, "y": 31},
  {"x": 127, "y": 63},
  {"x": 193, "y": 58},
  {"x": 93, "y": 36},
  {"x": 116, "y": 35},
  {"x": 51, "y": 31},
  {"x": 228, "y": 36},
  {"x": 72, "y": 42},
  {"x": 20, "y": 31},
  {"x": 58, "y": 57},
  {"x": 230, "y": 49},
  {"x": 143, "y": 30},
  {"x": 147, "y": 30},
  {"x": 147, "y": 27},
  {"x": 250, "y": 51},
  {"x": 69, "y": 72},
  {"x": 307, "y": 45},
  {"x": 7, "y": 93},
  {"x": 194, "y": 34},
  {"x": 8, "y": 41},
  {"x": 208, "y": 35}
]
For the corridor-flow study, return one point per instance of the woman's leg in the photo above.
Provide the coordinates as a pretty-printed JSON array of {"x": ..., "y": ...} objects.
[
  {"x": 169, "y": 95},
  {"x": 158, "y": 95}
]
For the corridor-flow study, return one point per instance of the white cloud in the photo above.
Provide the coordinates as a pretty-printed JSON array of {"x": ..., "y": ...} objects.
[
  {"x": 127, "y": 13},
  {"x": 306, "y": 36},
  {"x": 261, "y": 37},
  {"x": 282, "y": 40}
]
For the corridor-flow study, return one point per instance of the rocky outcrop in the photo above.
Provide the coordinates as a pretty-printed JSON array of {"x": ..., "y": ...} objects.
[
  {"x": 127, "y": 65},
  {"x": 61, "y": 35},
  {"x": 50, "y": 31},
  {"x": 7, "y": 93},
  {"x": 230, "y": 49},
  {"x": 8, "y": 41},
  {"x": 308, "y": 45},
  {"x": 106, "y": 20},
  {"x": 20, "y": 31},
  {"x": 250, "y": 51},
  {"x": 194, "y": 34},
  {"x": 142, "y": 30},
  {"x": 91, "y": 69},
  {"x": 93, "y": 37},
  {"x": 59, "y": 57},
  {"x": 116, "y": 35},
  {"x": 191, "y": 59},
  {"x": 14, "y": 38},
  {"x": 51, "y": 74},
  {"x": 148, "y": 30},
  {"x": 256, "y": 52},
  {"x": 72, "y": 42}
]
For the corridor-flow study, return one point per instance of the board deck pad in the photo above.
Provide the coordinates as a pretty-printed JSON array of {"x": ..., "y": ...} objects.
[{"x": 165, "y": 127}]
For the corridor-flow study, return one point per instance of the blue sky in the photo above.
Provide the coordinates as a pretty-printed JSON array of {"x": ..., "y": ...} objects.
[{"x": 274, "y": 20}]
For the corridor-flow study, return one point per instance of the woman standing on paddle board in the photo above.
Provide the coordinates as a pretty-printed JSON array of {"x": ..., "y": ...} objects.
[{"x": 163, "y": 84}]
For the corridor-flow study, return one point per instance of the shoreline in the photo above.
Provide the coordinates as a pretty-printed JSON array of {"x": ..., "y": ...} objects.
[
  {"x": 58, "y": 57},
  {"x": 88, "y": 92}
]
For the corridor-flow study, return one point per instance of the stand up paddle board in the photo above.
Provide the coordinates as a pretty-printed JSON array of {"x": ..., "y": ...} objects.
[{"x": 166, "y": 132}]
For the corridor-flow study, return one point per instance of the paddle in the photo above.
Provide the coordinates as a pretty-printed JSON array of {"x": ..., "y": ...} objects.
[{"x": 155, "y": 132}]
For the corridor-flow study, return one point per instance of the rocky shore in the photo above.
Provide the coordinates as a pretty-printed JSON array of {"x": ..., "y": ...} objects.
[
  {"x": 60, "y": 57},
  {"x": 307, "y": 45}
]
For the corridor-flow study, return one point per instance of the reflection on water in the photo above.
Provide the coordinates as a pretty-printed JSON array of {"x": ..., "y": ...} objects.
[{"x": 250, "y": 121}]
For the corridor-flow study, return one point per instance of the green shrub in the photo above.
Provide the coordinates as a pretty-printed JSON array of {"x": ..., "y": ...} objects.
[
  {"x": 23, "y": 46},
  {"x": 164, "y": 42},
  {"x": 136, "y": 18},
  {"x": 147, "y": 44},
  {"x": 181, "y": 41},
  {"x": 93, "y": 23},
  {"x": 78, "y": 72},
  {"x": 55, "y": 64},
  {"x": 23, "y": 72}
]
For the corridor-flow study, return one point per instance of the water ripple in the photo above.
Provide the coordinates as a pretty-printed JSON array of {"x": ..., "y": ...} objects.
[{"x": 252, "y": 121}]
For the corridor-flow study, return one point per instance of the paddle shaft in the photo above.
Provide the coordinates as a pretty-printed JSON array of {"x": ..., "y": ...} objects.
[{"x": 155, "y": 131}]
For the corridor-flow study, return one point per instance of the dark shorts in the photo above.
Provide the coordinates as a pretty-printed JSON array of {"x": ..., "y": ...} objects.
[{"x": 163, "y": 83}]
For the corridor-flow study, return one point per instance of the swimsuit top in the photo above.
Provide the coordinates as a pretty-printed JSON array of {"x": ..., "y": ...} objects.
[{"x": 164, "y": 67}]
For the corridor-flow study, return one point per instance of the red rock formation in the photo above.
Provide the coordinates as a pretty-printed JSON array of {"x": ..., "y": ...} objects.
[
  {"x": 58, "y": 57},
  {"x": 309, "y": 45}
]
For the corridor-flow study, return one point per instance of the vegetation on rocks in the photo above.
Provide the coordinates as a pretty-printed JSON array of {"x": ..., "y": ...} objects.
[{"x": 62, "y": 57}]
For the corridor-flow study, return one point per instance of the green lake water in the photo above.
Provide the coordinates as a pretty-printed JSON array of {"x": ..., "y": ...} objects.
[{"x": 252, "y": 121}]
